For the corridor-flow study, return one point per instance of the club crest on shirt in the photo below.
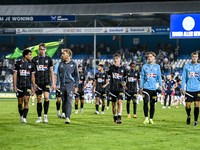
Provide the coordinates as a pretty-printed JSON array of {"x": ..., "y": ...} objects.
[
  {"x": 197, "y": 68},
  {"x": 46, "y": 61},
  {"x": 29, "y": 66},
  {"x": 155, "y": 68},
  {"x": 81, "y": 77},
  {"x": 71, "y": 65},
  {"x": 103, "y": 76},
  {"x": 122, "y": 70}
]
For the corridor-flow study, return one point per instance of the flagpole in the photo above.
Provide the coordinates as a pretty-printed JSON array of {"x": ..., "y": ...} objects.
[{"x": 95, "y": 36}]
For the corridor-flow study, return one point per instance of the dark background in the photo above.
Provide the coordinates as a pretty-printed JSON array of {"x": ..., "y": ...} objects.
[{"x": 20, "y": 2}]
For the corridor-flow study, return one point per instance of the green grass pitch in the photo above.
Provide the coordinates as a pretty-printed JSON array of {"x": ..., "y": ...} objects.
[{"x": 88, "y": 131}]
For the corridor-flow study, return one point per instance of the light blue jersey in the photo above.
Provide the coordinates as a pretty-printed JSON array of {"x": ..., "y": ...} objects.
[
  {"x": 191, "y": 77},
  {"x": 149, "y": 76}
]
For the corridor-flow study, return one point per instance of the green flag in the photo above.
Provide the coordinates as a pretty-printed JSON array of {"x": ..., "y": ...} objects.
[{"x": 51, "y": 48}]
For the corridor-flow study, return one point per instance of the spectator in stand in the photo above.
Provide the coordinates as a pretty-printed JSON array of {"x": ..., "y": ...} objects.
[
  {"x": 173, "y": 67},
  {"x": 91, "y": 49},
  {"x": 82, "y": 47},
  {"x": 138, "y": 46},
  {"x": 72, "y": 47},
  {"x": 166, "y": 60},
  {"x": 3, "y": 75},
  {"x": 139, "y": 58},
  {"x": 102, "y": 47},
  {"x": 171, "y": 57},
  {"x": 135, "y": 57},
  {"x": 88, "y": 65},
  {"x": 128, "y": 56},
  {"x": 7, "y": 87},
  {"x": 77, "y": 48},
  {"x": 158, "y": 46},
  {"x": 121, "y": 50},
  {"x": 113, "y": 49},
  {"x": 175, "y": 56},
  {"x": 87, "y": 49}
]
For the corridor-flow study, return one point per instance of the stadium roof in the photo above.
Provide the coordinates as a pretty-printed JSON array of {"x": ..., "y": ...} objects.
[
  {"x": 103, "y": 9},
  {"x": 106, "y": 14}
]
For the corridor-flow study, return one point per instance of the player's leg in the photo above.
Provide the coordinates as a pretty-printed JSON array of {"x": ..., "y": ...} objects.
[
  {"x": 20, "y": 107},
  {"x": 33, "y": 99},
  {"x": 170, "y": 98},
  {"x": 188, "y": 99},
  {"x": 108, "y": 100},
  {"x": 82, "y": 101},
  {"x": 39, "y": 107},
  {"x": 152, "y": 108},
  {"x": 134, "y": 108},
  {"x": 58, "y": 103},
  {"x": 146, "y": 99},
  {"x": 26, "y": 107},
  {"x": 68, "y": 104},
  {"x": 103, "y": 103},
  {"x": 119, "y": 103},
  {"x": 165, "y": 101},
  {"x": 76, "y": 103},
  {"x": 97, "y": 103},
  {"x": 196, "y": 112},
  {"x": 128, "y": 104},
  {"x": 46, "y": 106}
]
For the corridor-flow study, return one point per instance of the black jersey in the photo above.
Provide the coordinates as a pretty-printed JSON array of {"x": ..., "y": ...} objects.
[
  {"x": 178, "y": 89},
  {"x": 131, "y": 80},
  {"x": 24, "y": 71},
  {"x": 117, "y": 76},
  {"x": 100, "y": 79},
  {"x": 82, "y": 80},
  {"x": 42, "y": 66}
]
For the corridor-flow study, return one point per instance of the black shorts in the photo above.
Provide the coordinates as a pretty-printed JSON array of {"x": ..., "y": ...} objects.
[
  {"x": 115, "y": 95},
  {"x": 21, "y": 92},
  {"x": 58, "y": 93},
  {"x": 149, "y": 95},
  {"x": 101, "y": 95},
  {"x": 131, "y": 96},
  {"x": 80, "y": 95},
  {"x": 192, "y": 96},
  {"x": 42, "y": 88}
]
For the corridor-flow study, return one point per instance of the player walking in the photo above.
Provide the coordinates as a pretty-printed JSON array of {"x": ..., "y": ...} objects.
[
  {"x": 24, "y": 73},
  {"x": 149, "y": 77},
  {"x": 68, "y": 79},
  {"x": 81, "y": 88},
  {"x": 44, "y": 70},
  {"x": 132, "y": 79},
  {"x": 99, "y": 88},
  {"x": 117, "y": 76},
  {"x": 191, "y": 78}
]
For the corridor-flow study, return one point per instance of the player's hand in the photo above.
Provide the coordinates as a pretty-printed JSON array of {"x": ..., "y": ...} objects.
[
  {"x": 104, "y": 86},
  {"x": 75, "y": 90},
  {"x": 52, "y": 87},
  {"x": 15, "y": 89},
  {"x": 57, "y": 88},
  {"x": 33, "y": 92},
  {"x": 84, "y": 88},
  {"x": 126, "y": 88},
  {"x": 160, "y": 87},
  {"x": 140, "y": 91},
  {"x": 171, "y": 89},
  {"x": 183, "y": 92}
]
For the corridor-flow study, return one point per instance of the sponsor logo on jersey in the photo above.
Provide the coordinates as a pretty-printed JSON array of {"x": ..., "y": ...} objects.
[
  {"x": 41, "y": 68},
  {"x": 193, "y": 75},
  {"x": 131, "y": 79},
  {"x": 100, "y": 80},
  {"x": 151, "y": 75},
  {"x": 117, "y": 76},
  {"x": 81, "y": 81},
  {"x": 24, "y": 73}
]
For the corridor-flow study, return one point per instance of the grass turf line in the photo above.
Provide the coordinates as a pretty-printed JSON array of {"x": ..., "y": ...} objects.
[{"x": 91, "y": 131}]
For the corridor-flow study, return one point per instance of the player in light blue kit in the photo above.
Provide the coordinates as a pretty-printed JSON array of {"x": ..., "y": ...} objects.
[
  {"x": 191, "y": 78},
  {"x": 149, "y": 76}
]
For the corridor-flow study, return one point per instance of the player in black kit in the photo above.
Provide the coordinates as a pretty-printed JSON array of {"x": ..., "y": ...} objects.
[
  {"x": 44, "y": 70},
  {"x": 81, "y": 88},
  {"x": 117, "y": 82},
  {"x": 100, "y": 83},
  {"x": 24, "y": 72},
  {"x": 132, "y": 79}
]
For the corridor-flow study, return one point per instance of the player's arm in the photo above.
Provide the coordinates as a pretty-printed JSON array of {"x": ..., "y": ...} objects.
[
  {"x": 52, "y": 75},
  {"x": 183, "y": 81},
  {"x": 159, "y": 78},
  {"x": 58, "y": 78},
  {"x": 107, "y": 81},
  {"x": 94, "y": 85},
  {"x": 142, "y": 80},
  {"x": 14, "y": 80},
  {"x": 138, "y": 79},
  {"x": 164, "y": 86},
  {"x": 76, "y": 77}
]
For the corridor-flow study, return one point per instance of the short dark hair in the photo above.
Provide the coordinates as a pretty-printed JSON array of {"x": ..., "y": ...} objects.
[
  {"x": 26, "y": 52},
  {"x": 117, "y": 55},
  {"x": 132, "y": 63}
]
